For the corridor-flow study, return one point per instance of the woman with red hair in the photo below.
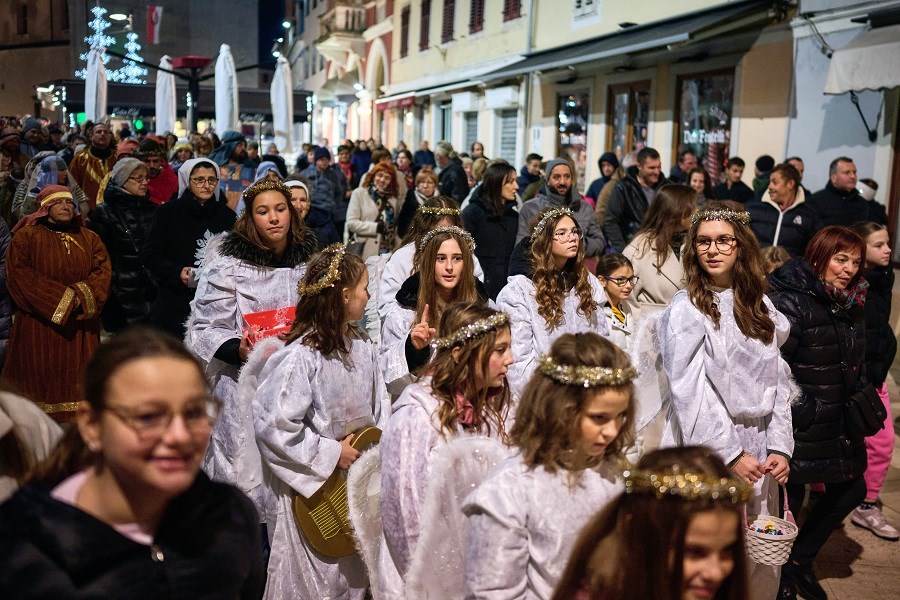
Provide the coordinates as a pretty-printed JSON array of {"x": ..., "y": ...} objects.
[{"x": 372, "y": 212}]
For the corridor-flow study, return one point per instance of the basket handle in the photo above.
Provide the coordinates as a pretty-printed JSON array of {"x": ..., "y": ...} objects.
[{"x": 787, "y": 515}]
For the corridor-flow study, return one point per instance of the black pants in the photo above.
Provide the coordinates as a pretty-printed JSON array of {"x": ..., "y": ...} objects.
[{"x": 824, "y": 516}]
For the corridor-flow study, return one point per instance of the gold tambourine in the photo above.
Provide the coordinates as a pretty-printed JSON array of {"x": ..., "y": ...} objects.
[{"x": 323, "y": 518}]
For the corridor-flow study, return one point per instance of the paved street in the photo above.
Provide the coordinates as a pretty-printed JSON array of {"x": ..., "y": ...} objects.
[{"x": 856, "y": 565}]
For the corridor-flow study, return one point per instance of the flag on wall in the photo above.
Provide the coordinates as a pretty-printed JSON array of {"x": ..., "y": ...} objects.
[{"x": 154, "y": 16}]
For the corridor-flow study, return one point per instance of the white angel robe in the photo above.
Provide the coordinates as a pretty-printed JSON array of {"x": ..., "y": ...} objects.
[
  {"x": 730, "y": 393},
  {"x": 530, "y": 335},
  {"x": 523, "y": 523},
  {"x": 305, "y": 404},
  {"x": 395, "y": 331},
  {"x": 409, "y": 446},
  {"x": 229, "y": 288}
]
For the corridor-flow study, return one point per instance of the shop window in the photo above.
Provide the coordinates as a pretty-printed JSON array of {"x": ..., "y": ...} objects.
[
  {"x": 628, "y": 112},
  {"x": 446, "y": 121},
  {"x": 507, "y": 121},
  {"x": 705, "y": 104},
  {"x": 571, "y": 141},
  {"x": 512, "y": 9},
  {"x": 447, "y": 25},
  {"x": 425, "y": 26},
  {"x": 470, "y": 129},
  {"x": 404, "y": 31},
  {"x": 476, "y": 16}
]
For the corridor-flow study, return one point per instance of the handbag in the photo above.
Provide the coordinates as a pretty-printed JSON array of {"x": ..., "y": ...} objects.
[{"x": 865, "y": 412}]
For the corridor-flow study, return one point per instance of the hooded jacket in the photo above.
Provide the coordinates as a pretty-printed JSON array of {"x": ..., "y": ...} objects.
[
  {"x": 881, "y": 343},
  {"x": 626, "y": 209},
  {"x": 495, "y": 237},
  {"x": 826, "y": 351},
  {"x": 584, "y": 214},
  {"x": 453, "y": 181},
  {"x": 791, "y": 229}
]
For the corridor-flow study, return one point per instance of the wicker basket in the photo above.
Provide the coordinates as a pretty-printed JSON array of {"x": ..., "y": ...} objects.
[{"x": 768, "y": 548}]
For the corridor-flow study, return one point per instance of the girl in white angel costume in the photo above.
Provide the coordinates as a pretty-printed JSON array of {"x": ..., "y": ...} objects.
[
  {"x": 555, "y": 295},
  {"x": 573, "y": 422},
  {"x": 255, "y": 267},
  {"x": 463, "y": 394},
  {"x": 730, "y": 389},
  {"x": 312, "y": 395},
  {"x": 444, "y": 275}
]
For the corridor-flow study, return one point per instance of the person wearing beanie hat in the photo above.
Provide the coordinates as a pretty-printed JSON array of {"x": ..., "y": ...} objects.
[
  {"x": 90, "y": 166},
  {"x": 326, "y": 186},
  {"x": 764, "y": 166},
  {"x": 181, "y": 151},
  {"x": 123, "y": 222},
  {"x": 58, "y": 274},
  {"x": 607, "y": 164},
  {"x": 163, "y": 183},
  {"x": 33, "y": 138}
]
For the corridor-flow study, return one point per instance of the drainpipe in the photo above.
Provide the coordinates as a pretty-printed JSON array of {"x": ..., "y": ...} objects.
[{"x": 529, "y": 81}]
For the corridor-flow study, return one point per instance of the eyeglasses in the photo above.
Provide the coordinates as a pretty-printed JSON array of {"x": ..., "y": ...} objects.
[
  {"x": 566, "y": 234},
  {"x": 724, "y": 244},
  {"x": 141, "y": 179},
  {"x": 623, "y": 281},
  {"x": 204, "y": 181},
  {"x": 151, "y": 423}
]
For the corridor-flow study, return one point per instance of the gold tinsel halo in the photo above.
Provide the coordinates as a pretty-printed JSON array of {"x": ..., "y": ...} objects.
[
  {"x": 472, "y": 331},
  {"x": 732, "y": 216},
  {"x": 439, "y": 210},
  {"x": 470, "y": 241},
  {"x": 556, "y": 213},
  {"x": 585, "y": 376},
  {"x": 265, "y": 185},
  {"x": 331, "y": 274},
  {"x": 685, "y": 484}
]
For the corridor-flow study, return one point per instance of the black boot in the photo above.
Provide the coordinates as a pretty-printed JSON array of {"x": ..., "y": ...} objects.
[
  {"x": 787, "y": 589},
  {"x": 807, "y": 584}
]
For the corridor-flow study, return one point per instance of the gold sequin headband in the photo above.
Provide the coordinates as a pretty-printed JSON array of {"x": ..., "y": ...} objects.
[
  {"x": 687, "y": 485},
  {"x": 733, "y": 216},
  {"x": 266, "y": 185},
  {"x": 439, "y": 210},
  {"x": 56, "y": 196},
  {"x": 551, "y": 215},
  {"x": 330, "y": 276},
  {"x": 470, "y": 241},
  {"x": 585, "y": 376},
  {"x": 471, "y": 331}
]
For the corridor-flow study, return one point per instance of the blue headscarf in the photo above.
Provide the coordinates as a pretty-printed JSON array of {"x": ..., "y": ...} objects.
[
  {"x": 264, "y": 169},
  {"x": 230, "y": 141},
  {"x": 48, "y": 173}
]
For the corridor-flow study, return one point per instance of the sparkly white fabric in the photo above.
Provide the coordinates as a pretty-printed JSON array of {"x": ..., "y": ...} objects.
[
  {"x": 530, "y": 337},
  {"x": 523, "y": 523},
  {"x": 619, "y": 332},
  {"x": 397, "y": 270},
  {"x": 409, "y": 447},
  {"x": 305, "y": 403},
  {"x": 651, "y": 387},
  {"x": 394, "y": 333},
  {"x": 227, "y": 289}
]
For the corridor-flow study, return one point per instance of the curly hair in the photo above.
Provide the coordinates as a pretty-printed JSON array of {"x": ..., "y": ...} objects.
[
  {"x": 299, "y": 234},
  {"x": 423, "y": 223},
  {"x": 465, "y": 290},
  {"x": 634, "y": 548},
  {"x": 749, "y": 282},
  {"x": 548, "y": 417},
  {"x": 552, "y": 284},
  {"x": 321, "y": 318},
  {"x": 456, "y": 370},
  {"x": 369, "y": 179}
]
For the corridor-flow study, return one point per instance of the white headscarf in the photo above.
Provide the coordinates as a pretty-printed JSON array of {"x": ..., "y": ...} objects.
[{"x": 184, "y": 172}]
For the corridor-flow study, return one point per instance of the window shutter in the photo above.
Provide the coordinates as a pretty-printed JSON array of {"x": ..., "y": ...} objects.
[{"x": 447, "y": 25}]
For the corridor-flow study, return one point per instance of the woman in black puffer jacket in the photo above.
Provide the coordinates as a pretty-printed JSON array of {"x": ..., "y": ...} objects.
[
  {"x": 122, "y": 222},
  {"x": 822, "y": 295}
]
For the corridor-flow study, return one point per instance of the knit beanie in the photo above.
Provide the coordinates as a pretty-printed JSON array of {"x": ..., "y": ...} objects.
[
  {"x": 123, "y": 170},
  {"x": 321, "y": 153},
  {"x": 30, "y": 124},
  {"x": 765, "y": 163}
]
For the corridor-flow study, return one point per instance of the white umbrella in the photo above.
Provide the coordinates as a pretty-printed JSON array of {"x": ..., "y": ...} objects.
[
  {"x": 226, "y": 91},
  {"x": 95, "y": 86},
  {"x": 282, "y": 95},
  {"x": 165, "y": 98}
]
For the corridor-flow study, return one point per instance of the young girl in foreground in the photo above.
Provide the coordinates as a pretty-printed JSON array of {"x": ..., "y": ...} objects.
[
  {"x": 617, "y": 277},
  {"x": 572, "y": 423},
  {"x": 312, "y": 395},
  {"x": 730, "y": 389},
  {"x": 675, "y": 534},
  {"x": 464, "y": 393},
  {"x": 558, "y": 296}
]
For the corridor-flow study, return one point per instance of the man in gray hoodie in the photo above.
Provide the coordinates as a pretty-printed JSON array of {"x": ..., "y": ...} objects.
[{"x": 560, "y": 191}]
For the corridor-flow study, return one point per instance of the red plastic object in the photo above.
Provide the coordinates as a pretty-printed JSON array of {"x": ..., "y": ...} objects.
[{"x": 191, "y": 62}]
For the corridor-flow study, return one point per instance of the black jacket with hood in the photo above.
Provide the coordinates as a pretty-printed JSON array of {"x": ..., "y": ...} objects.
[
  {"x": 625, "y": 211},
  {"x": 495, "y": 237}
]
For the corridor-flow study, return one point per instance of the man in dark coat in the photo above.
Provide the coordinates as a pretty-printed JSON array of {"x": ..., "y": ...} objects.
[
  {"x": 452, "y": 180},
  {"x": 631, "y": 198},
  {"x": 687, "y": 162},
  {"x": 531, "y": 172},
  {"x": 423, "y": 157},
  {"x": 839, "y": 202},
  {"x": 733, "y": 188}
]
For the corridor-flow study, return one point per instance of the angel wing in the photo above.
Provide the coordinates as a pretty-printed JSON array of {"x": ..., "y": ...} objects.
[
  {"x": 375, "y": 267},
  {"x": 364, "y": 500},
  {"x": 458, "y": 469},
  {"x": 651, "y": 387}
]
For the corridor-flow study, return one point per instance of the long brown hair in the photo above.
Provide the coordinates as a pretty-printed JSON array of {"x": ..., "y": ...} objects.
[
  {"x": 828, "y": 242},
  {"x": 465, "y": 290},
  {"x": 321, "y": 318},
  {"x": 547, "y": 426},
  {"x": 423, "y": 222},
  {"x": 454, "y": 371},
  {"x": 495, "y": 177},
  {"x": 670, "y": 207},
  {"x": 71, "y": 454},
  {"x": 369, "y": 178},
  {"x": 299, "y": 234},
  {"x": 749, "y": 284},
  {"x": 634, "y": 548},
  {"x": 552, "y": 285}
]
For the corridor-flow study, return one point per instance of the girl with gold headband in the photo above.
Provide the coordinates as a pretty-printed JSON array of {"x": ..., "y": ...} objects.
[
  {"x": 675, "y": 533},
  {"x": 251, "y": 269},
  {"x": 464, "y": 393},
  {"x": 554, "y": 295},
  {"x": 311, "y": 396},
  {"x": 573, "y": 422},
  {"x": 443, "y": 276},
  {"x": 439, "y": 211},
  {"x": 730, "y": 389}
]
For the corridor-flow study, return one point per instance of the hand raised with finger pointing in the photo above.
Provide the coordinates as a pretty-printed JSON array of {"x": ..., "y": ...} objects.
[{"x": 422, "y": 334}]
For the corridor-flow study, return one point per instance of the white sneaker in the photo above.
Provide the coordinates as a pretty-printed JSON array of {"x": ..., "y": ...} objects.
[{"x": 873, "y": 520}]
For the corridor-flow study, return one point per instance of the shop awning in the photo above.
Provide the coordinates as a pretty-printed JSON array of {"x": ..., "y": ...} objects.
[
  {"x": 395, "y": 101},
  {"x": 870, "y": 62},
  {"x": 684, "y": 29}
]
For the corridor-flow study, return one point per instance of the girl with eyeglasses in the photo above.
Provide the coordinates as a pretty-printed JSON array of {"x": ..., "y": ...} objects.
[
  {"x": 617, "y": 277},
  {"x": 730, "y": 390},
  {"x": 120, "y": 509},
  {"x": 553, "y": 295}
]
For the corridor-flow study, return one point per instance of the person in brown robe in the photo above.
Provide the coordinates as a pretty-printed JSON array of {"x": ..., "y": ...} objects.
[
  {"x": 58, "y": 275},
  {"x": 90, "y": 166}
]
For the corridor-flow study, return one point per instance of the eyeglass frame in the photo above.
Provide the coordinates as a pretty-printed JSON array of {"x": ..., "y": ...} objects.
[
  {"x": 212, "y": 410},
  {"x": 560, "y": 236},
  {"x": 143, "y": 179},
  {"x": 707, "y": 243},
  {"x": 622, "y": 281},
  {"x": 202, "y": 181}
]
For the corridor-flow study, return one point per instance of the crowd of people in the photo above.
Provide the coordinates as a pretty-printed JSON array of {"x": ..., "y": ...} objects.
[{"x": 205, "y": 343}]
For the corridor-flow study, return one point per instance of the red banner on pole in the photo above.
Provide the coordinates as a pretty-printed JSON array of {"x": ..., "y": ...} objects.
[{"x": 154, "y": 16}]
